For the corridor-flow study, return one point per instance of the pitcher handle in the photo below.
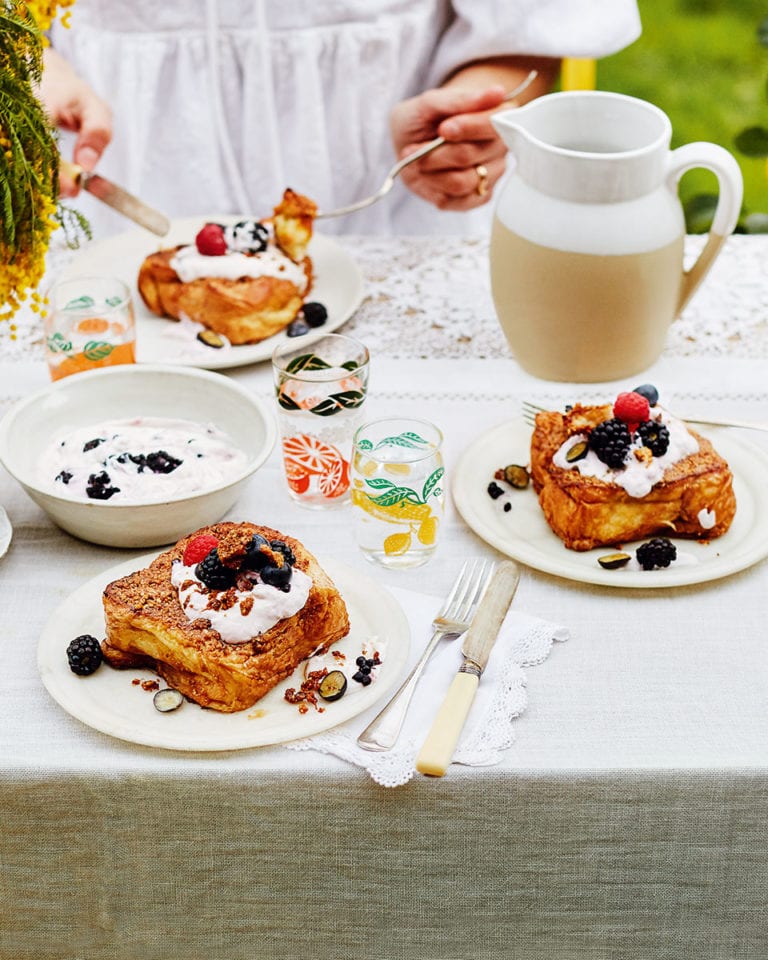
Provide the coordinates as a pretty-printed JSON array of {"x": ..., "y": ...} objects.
[{"x": 730, "y": 193}]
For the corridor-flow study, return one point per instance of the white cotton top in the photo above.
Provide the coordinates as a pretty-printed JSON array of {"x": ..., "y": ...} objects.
[{"x": 221, "y": 104}]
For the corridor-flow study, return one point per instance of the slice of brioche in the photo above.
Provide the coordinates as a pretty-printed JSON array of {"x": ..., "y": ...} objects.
[
  {"x": 587, "y": 512},
  {"x": 146, "y": 626},
  {"x": 245, "y": 310}
]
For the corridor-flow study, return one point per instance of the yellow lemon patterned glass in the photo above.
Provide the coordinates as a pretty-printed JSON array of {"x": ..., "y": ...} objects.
[
  {"x": 90, "y": 324},
  {"x": 397, "y": 491}
]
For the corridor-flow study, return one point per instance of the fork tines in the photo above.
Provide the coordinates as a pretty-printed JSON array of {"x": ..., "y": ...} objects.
[
  {"x": 529, "y": 412},
  {"x": 466, "y": 592}
]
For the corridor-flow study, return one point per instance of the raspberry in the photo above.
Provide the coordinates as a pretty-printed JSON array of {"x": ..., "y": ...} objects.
[
  {"x": 84, "y": 655},
  {"x": 210, "y": 241},
  {"x": 198, "y": 549},
  {"x": 658, "y": 552},
  {"x": 632, "y": 408},
  {"x": 611, "y": 442}
]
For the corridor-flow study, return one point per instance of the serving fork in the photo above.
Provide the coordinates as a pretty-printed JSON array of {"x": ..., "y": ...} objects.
[
  {"x": 452, "y": 620},
  {"x": 389, "y": 180},
  {"x": 531, "y": 409}
]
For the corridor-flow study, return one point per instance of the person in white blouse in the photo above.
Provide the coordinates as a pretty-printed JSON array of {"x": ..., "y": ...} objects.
[{"x": 218, "y": 105}]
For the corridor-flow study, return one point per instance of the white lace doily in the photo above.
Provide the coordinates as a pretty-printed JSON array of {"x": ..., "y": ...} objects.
[
  {"x": 430, "y": 297},
  {"x": 523, "y": 641}
]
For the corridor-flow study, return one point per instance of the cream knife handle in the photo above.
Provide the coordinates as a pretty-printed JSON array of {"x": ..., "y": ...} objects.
[{"x": 435, "y": 755}]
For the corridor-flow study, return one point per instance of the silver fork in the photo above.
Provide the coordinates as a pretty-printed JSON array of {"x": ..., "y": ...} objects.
[
  {"x": 452, "y": 620},
  {"x": 531, "y": 409},
  {"x": 389, "y": 180}
]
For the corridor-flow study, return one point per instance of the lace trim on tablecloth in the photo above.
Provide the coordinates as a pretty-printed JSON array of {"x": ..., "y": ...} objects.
[
  {"x": 430, "y": 297},
  {"x": 490, "y": 730}
]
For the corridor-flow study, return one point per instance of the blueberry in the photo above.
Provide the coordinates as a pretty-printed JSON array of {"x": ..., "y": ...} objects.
[
  {"x": 92, "y": 444},
  {"x": 297, "y": 329},
  {"x": 279, "y": 577},
  {"x": 648, "y": 391},
  {"x": 360, "y": 661},
  {"x": 255, "y": 558},
  {"x": 494, "y": 490},
  {"x": 315, "y": 314}
]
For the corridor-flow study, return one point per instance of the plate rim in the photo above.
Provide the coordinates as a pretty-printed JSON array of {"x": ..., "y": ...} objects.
[
  {"x": 321, "y": 245},
  {"x": 466, "y": 499},
  {"x": 60, "y": 682}
]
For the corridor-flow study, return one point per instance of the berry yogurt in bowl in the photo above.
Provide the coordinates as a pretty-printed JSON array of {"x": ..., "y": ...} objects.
[{"x": 139, "y": 460}]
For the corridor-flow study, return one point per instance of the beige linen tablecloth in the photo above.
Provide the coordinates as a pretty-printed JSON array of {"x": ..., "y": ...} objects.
[{"x": 628, "y": 819}]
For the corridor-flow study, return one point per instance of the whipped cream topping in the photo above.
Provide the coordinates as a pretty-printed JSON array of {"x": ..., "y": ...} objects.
[
  {"x": 637, "y": 476},
  {"x": 191, "y": 265},
  {"x": 206, "y": 458},
  {"x": 252, "y": 611},
  {"x": 707, "y": 518}
]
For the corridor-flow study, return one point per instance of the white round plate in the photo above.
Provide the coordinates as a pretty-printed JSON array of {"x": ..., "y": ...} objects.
[
  {"x": 6, "y": 532},
  {"x": 109, "y": 701},
  {"x": 523, "y": 534},
  {"x": 338, "y": 284}
]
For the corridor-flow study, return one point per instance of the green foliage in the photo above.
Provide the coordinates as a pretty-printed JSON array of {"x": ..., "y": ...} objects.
[
  {"x": 704, "y": 63},
  {"x": 29, "y": 157}
]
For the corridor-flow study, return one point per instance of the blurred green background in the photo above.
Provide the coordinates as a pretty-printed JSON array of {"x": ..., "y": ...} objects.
[{"x": 705, "y": 64}]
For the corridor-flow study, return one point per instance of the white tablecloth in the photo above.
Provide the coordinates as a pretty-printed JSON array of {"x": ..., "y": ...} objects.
[{"x": 628, "y": 820}]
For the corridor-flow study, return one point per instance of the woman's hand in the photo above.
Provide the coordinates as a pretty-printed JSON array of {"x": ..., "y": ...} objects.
[
  {"x": 72, "y": 105},
  {"x": 460, "y": 174}
]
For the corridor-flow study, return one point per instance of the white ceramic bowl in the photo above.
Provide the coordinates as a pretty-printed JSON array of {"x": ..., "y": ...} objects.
[{"x": 132, "y": 391}]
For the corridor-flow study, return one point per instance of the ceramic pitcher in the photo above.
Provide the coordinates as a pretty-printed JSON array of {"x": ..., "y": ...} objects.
[{"x": 587, "y": 245}]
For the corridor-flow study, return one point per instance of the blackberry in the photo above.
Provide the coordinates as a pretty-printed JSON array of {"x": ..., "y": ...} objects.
[
  {"x": 98, "y": 486},
  {"x": 65, "y": 476},
  {"x": 611, "y": 441},
  {"x": 494, "y": 490},
  {"x": 655, "y": 436},
  {"x": 658, "y": 552},
  {"x": 315, "y": 314},
  {"x": 162, "y": 462},
  {"x": 279, "y": 546},
  {"x": 84, "y": 655},
  {"x": 213, "y": 573}
]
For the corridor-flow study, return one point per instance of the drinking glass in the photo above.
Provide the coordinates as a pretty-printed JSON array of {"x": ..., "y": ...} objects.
[
  {"x": 397, "y": 490},
  {"x": 320, "y": 388},
  {"x": 89, "y": 324}
]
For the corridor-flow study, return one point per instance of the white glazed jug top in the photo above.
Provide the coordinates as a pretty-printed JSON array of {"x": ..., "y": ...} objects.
[{"x": 588, "y": 146}]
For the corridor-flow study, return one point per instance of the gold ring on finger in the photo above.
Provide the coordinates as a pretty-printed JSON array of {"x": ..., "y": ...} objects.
[{"x": 482, "y": 180}]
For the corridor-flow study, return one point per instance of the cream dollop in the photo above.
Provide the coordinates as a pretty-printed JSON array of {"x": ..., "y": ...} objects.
[
  {"x": 637, "y": 476},
  {"x": 191, "y": 265},
  {"x": 707, "y": 518},
  {"x": 254, "y": 612}
]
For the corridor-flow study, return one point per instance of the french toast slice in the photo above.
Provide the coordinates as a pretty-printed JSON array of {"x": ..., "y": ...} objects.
[
  {"x": 693, "y": 498},
  {"x": 246, "y": 309},
  {"x": 147, "y": 627}
]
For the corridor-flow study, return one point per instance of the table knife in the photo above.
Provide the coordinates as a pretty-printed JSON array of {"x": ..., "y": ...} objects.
[
  {"x": 118, "y": 198},
  {"x": 437, "y": 750}
]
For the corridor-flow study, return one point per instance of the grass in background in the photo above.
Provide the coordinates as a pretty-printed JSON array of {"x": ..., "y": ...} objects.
[{"x": 701, "y": 62}]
